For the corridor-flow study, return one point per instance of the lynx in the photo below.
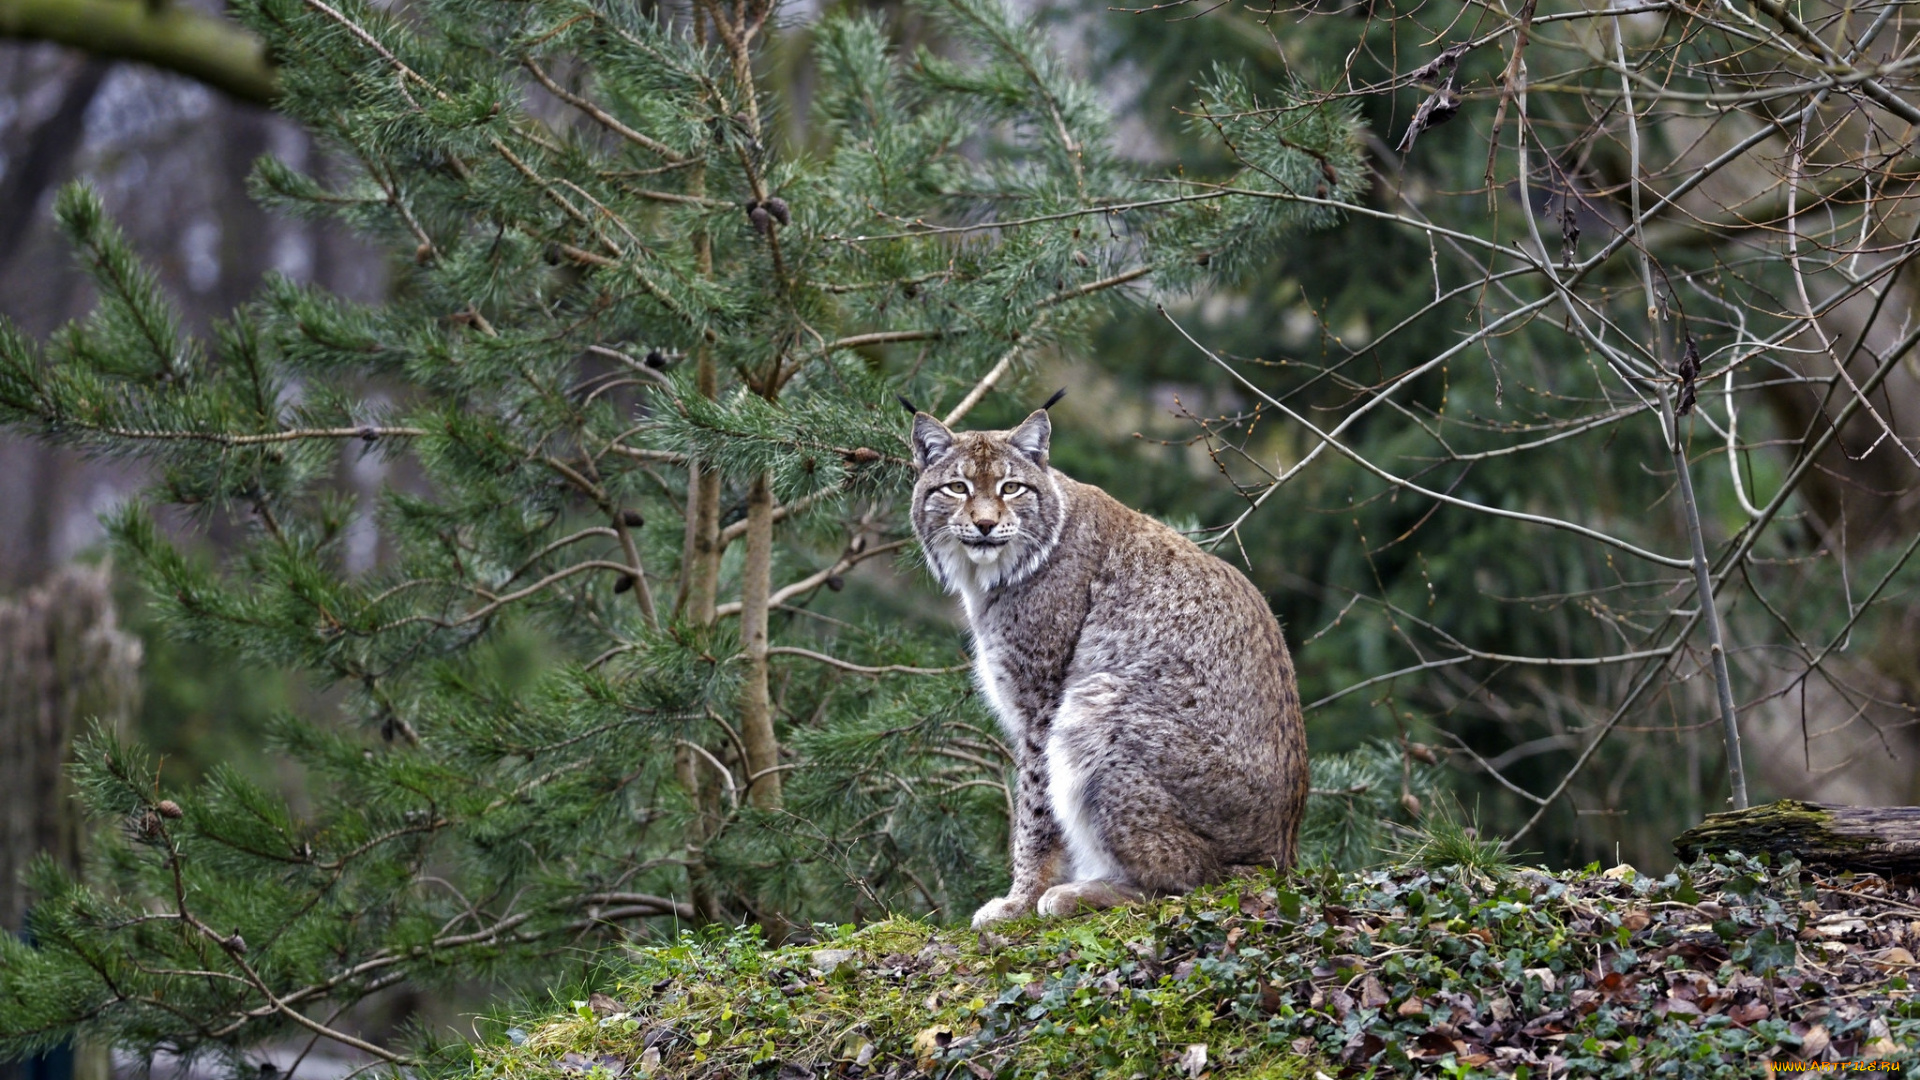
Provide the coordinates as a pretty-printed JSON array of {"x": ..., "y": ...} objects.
[{"x": 1143, "y": 684}]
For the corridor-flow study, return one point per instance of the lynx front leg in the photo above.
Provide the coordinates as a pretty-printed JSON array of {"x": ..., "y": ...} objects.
[
  {"x": 1038, "y": 857},
  {"x": 1125, "y": 834}
]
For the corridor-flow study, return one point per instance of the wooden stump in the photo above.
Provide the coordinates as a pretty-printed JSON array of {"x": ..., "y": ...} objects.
[
  {"x": 64, "y": 663},
  {"x": 1865, "y": 839}
]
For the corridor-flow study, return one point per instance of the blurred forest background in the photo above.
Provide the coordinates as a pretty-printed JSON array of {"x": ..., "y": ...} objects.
[
  {"x": 1564, "y": 684},
  {"x": 170, "y": 156}
]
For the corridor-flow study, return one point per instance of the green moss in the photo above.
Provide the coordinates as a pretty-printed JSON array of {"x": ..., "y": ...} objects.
[
  {"x": 912, "y": 996},
  {"x": 1785, "y": 825},
  {"x": 1413, "y": 971}
]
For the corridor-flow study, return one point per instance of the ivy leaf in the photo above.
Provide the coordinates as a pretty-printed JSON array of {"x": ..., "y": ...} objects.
[{"x": 1766, "y": 952}]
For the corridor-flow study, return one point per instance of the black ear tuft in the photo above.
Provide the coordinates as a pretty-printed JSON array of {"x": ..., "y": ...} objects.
[
  {"x": 910, "y": 406},
  {"x": 1052, "y": 401}
]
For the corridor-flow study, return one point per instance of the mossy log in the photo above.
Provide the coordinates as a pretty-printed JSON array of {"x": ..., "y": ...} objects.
[
  {"x": 1870, "y": 839},
  {"x": 173, "y": 37}
]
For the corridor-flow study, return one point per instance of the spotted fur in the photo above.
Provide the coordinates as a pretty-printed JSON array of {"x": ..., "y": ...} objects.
[{"x": 1142, "y": 684}]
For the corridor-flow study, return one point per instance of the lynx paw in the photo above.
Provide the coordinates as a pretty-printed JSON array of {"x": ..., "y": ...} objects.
[
  {"x": 999, "y": 909},
  {"x": 1078, "y": 896}
]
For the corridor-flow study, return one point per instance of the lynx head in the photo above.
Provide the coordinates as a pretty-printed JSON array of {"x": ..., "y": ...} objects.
[{"x": 987, "y": 508}]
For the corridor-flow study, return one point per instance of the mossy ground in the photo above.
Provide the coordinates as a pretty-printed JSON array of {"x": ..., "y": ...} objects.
[{"x": 1414, "y": 971}]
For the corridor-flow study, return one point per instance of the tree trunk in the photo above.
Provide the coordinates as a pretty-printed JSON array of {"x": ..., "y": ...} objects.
[
  {"x": 703, "y": 518},
  {"x": 699, "y": 596},
  {"x": 1867, "y": 839},
  {"x": 49, "y": 148},
  {"x": 756, "y": 703},
  {"x": 64, "y": 665},
  {"x": 700, "y": 579}
]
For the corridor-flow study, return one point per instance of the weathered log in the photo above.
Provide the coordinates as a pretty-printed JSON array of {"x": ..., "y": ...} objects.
[
  {"x": 1866, "y": 839},
  {"x": 64, "y": 664}
]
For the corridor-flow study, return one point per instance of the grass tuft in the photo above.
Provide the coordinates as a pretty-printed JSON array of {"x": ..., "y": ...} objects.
[{"x": 1447, "y": 838}]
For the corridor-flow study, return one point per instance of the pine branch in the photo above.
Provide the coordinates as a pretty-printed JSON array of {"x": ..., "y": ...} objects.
[
  {"x": 861, "y": 669},
  {"x": 813, "y": 581},
  {"x": 603, "y": 117},
  {"x": 369, "y": 433}
]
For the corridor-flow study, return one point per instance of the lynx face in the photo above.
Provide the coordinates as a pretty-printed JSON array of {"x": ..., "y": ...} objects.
[{"x": 986, "y": 507}]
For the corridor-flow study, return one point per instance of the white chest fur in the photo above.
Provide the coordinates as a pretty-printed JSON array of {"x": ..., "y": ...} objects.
[
  {"x": 1063, "y": 775},
  {"x": 995, "y": 687},
  {"x": 1083, "y": 703}
]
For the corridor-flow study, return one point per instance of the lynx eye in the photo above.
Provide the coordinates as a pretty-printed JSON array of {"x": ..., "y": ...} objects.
[
  {"x": 1011, "y": 488},
  {"x": 958, "y": 487}
]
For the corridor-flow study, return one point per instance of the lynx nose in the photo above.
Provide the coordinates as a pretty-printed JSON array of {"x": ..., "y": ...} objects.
[{"x": 984, "y": 525}]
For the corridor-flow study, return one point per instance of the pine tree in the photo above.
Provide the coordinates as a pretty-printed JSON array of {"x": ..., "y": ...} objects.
[{"x": 636, "y": 387}]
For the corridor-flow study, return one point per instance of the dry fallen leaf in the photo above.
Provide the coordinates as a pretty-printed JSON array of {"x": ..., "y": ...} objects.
[
  {"x": 1233, "y": 939},
  {"x": 1434, "y": 1044},
  {"x": 928, "y": 1044},
  {"x": 574, "y": 1063},
  {"x": 1882, "y": 1044},
  {"x": 1269, "y": 997},
  {"x": 834, "y": 961},
  {"x": 1834, "y": 926},
  {"x": 1617, "y": 987},
  {"x": 1895, "y": 957},
  {"x": 1676, "y": 1006},
  {"x": 1372, "y": 994},
  {"x": 1194, "y": 1061}
]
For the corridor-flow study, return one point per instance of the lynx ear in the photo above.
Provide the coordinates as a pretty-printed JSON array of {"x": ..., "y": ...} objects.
[
  {"x": 1034, "y": 437},
  {"x": 931, "y": 439}
]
